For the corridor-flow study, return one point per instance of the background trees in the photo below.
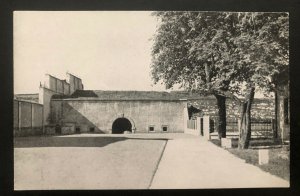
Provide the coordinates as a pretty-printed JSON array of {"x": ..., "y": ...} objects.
[{"x": 225, "y": 54}]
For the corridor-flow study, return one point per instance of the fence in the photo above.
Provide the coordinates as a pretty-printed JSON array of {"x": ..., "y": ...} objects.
[
  {"x": 28, "y": 118},
  {"x": 195, "y": 126},
  {"x": 192, "y": 124},
  {"x": 205, "y": 126},
  {"x": 200, "y": 127},
  {"x": 259, "y": 128}
]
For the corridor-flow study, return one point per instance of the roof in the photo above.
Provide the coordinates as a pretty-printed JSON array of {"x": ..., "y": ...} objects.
[{"x": 129, "y": 95}]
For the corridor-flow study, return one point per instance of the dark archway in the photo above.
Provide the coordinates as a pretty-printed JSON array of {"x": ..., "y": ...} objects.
[{"x": 120, "y": 125}]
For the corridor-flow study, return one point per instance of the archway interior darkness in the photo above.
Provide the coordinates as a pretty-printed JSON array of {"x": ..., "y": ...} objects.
[{"x": 120, "y": 125}]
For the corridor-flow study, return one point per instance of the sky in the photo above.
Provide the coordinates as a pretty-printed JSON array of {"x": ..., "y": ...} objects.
[{"x": 108, "y": 50}]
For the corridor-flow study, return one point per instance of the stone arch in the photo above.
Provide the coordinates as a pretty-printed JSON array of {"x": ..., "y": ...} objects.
[
  {"x": 112, "y": 120},
  {"x": 120, "y": 125}
]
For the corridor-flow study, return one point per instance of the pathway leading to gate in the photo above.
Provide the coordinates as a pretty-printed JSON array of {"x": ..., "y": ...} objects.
[
  {"x": 197, "y": 163},
  {"x": 133, "y": 161}
]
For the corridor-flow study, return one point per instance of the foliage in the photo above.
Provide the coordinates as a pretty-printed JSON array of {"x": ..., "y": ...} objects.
[
  {"x": 220, "y": 52},
  {"x": 227, "y": 54}
]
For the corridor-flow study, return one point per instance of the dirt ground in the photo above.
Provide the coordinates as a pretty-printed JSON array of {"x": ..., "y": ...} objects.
[{"x": 86, "y": 162}]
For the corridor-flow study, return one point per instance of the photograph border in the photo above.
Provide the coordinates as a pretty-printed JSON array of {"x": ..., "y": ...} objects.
[{"x": 6, "y": 59}]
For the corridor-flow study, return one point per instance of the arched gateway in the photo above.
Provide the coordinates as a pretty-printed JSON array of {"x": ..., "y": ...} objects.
[{"x": 120, "y": 125}]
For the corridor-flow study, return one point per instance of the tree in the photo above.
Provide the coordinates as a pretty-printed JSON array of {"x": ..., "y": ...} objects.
[
  {"x": 264, "y": 40},
  {"x": 192, "y": 49},
  {"x": 225, "y": 54}
]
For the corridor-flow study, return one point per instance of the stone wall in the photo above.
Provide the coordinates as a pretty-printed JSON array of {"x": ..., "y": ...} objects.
[
  {"x": 100, "y": 115},
  {"x": 261, "y": 108},
  {"x": 54, "y": 84},
  {"x": 75, "y": 83},
  {"x": 45, "y": 95},
  {"x": 28, "y": 118}
]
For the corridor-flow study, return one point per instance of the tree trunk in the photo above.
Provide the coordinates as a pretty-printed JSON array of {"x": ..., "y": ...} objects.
[
  {"x": 207, "y": 74},
  {"x": 276, "y": 115},
  {"x": 245, "y": 121},
  {"x": 221, "y": 102}
]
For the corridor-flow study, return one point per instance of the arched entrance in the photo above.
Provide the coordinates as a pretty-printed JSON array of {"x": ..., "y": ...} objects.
[{"x": 120, "y": 125}]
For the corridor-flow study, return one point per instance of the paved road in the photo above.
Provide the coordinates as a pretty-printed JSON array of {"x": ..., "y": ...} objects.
[
  {"x": 196, "y": 163},
  {"x": 85, "y": 162},
  {"x": 91, "y": 161}
]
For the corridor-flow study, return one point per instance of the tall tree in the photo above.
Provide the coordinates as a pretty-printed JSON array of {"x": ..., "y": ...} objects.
[
  {"x": 192, "y": 49},
  {"x": 263, "y": 40},
  {"x": 223, "y": 54}
]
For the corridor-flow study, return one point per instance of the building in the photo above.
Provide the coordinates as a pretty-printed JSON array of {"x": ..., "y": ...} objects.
[
  {"x": 31, "y": 111},
  {"x": 64, "y": 107},
  {"x": 119, "y": 111}
]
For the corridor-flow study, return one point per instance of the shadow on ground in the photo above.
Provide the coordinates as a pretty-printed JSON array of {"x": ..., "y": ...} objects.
[{"x": 31, "y": 142}]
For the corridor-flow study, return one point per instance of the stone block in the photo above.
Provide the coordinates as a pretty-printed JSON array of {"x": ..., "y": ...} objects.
[
  {"x": 263, "y": 156},
  {"x": 226, "y": 142}
]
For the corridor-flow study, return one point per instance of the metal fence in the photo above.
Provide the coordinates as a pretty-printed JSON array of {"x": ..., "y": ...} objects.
[{"x": 259, "y": 128}]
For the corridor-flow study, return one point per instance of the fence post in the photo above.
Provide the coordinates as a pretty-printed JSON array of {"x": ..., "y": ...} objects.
[
  {"x": 206, "y": 127},
  {"x": 239, "y": 126},
  {"x": 274, "y": 128}
]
